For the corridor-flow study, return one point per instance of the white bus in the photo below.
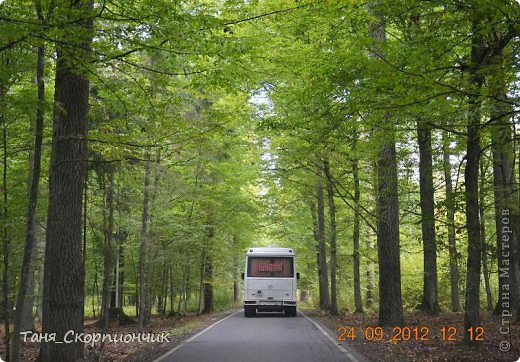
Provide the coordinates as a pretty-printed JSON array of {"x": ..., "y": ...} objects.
[{"x": 270, "y": 281}]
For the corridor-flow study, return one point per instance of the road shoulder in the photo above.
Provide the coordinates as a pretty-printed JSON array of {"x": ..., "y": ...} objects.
[{"x": 328, "y": 327}]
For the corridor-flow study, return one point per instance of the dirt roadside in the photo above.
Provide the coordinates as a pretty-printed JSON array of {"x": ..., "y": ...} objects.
[
  {"x": 422, "y": 338},
  {"x": 176, "y": 330}
]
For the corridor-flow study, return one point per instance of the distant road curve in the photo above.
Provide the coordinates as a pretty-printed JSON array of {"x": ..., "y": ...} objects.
[{"x": 269, "y": 337}]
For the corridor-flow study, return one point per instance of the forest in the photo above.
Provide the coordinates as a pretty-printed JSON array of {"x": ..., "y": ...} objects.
[{"x": 147, "y": 144}]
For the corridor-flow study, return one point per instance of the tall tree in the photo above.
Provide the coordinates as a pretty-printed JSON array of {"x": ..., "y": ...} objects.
[
  {"x": 391, "y": 306},
  {"x": 471, "y": 172},
  {"x": 5, "y": 232},
  {"x": 143, "y": 245},
  {"x": 207, "y": 286},
  {"x": 236, "y": 270},
  {"x": 332, "y": 239},
  {"x": 483, "y": 231},
  {"x": 450, "y": 216},
  {"x": 355, "y": 238},
  {"x": 430, "y": 301},
  {"x": 63, "y": 293},
  {"x": 108, "y": 247},
  {"x": 322, "y": 256},
  {"x": 388, "y": 250},
  {"x": 505, "y": 188}
]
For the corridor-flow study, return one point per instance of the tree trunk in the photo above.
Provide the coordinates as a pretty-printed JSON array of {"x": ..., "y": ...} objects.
[
  {"x": 161, "y": 302},
  {"x": 143, "y": 246},
  {"x": 482, "y": 214},
  {"x": 202, "y": 278},
  {"x": 119, "y": 271},
  {"x": 39, "y": 294},
  {"x": 167, "y": 286},
  {"x": 507, "y": 212},
  {"x": 371, "y": 273},
  {"x": 150, "y": 266},
  {"x": 182, "y": 296},
  {"x": 95, "y": 289},
  {"x": 23, "y": 320},
  {"x": 63, "y": 294},
  {"x": 149, "y": 296},
  {"x": 172, "y": 294},
  {"x": 388, "y": 250},
  {"x": 6, "y": 310},
  {"x": 370, "y": 246},
  {"x": 332, "y": 239},
  {"x": 208, "y": 268},
  {"x": 186, "y": 289},
  {"x": 430, "y": 302},
  {"x": 472, "y": 310},
  {"x": 108, "y": 248},
  {"x": 208, "y": 286},
  {"x": 236, "y": 277},
  {"x": 390, "y": 302},
  {"x": 355, "y": 239},
  {"x": 84, "y": 227},
  {"x": 322, "y": 265},
  {"x": 314, "y": 216},
  {"x": 450, "y": 216}
]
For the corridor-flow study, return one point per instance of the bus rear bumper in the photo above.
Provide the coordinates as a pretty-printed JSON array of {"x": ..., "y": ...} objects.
[{"x": 269, "y": 305}]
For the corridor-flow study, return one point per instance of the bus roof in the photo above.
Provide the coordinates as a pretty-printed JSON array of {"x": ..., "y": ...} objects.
[{"x": 270, "y": 251}]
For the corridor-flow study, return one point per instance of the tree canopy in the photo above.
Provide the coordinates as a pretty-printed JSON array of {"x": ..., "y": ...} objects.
[{"x": 147, "y": 144}]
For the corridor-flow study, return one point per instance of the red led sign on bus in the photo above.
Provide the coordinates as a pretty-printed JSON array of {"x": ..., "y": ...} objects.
[{"x": 270, "y": 267}]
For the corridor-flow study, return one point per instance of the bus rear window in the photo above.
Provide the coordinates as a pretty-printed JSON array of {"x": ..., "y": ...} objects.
[{"x": 270, "y": 267}]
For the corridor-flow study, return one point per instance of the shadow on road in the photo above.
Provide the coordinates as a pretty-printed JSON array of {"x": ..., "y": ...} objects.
[{"x": 271, "y": 315}]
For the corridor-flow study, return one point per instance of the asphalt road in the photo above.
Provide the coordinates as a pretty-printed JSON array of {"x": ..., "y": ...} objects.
[{"x": 268, "y": 337}]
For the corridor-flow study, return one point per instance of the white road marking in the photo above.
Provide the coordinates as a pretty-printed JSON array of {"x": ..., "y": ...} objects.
[
  {"x": 345, "y": 352},
  {"x": 171, "y": 351}
]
